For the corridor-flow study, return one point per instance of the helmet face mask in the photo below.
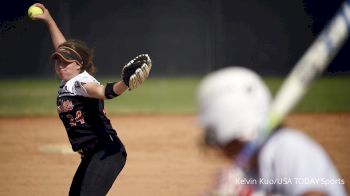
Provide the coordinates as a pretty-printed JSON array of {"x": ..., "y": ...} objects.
[{"x": 233, "y": 104}]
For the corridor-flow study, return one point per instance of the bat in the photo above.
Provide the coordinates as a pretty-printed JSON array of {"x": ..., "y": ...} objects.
[{"x": 316, "y": 58}]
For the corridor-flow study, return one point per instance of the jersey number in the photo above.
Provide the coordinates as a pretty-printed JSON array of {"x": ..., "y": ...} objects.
[{"x": 73, "y": 120}]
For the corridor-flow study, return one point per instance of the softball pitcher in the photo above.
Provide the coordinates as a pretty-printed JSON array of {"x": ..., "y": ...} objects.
[
  {"x": 81, "y": 108},
  {"x": 233, "y": 106}
]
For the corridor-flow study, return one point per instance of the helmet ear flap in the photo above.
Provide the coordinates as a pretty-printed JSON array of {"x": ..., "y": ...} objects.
[{"x": 210, "y": 136}]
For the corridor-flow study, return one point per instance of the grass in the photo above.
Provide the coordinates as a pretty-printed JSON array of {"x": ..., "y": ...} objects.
[{"x": 159, "y": 96}]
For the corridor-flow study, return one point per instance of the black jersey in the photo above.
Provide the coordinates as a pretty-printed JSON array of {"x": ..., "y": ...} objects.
[{"x": 83, "y": 117}]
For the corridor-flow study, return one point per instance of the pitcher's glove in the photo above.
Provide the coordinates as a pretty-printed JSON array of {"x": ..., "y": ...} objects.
[{"x": 136, "y": 71}]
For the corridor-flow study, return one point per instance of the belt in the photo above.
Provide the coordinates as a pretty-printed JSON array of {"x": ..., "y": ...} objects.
[{"x": 87, "y": 150}]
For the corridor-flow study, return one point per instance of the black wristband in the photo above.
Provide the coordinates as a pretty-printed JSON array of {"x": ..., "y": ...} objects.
[{"x": 109, "y": 92}]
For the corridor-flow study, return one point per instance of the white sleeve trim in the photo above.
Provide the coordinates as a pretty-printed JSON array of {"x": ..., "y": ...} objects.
[{"x": 74, "y": 87}]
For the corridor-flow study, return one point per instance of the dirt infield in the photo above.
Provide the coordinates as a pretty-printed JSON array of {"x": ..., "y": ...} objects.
[{"x": 163, "y": 154}]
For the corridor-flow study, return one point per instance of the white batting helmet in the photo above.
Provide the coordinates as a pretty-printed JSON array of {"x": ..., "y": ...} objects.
[{"x": 233, "y": 105}]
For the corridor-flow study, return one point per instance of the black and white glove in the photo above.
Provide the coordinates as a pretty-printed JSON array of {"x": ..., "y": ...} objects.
[{"x": 136, "y": 71}]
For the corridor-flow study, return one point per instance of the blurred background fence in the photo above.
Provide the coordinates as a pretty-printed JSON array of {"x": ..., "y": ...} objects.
[{"x": 185, "y": 38}]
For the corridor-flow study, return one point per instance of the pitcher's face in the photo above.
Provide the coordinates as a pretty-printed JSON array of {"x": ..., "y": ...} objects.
[{"x": 66, "y": 70}]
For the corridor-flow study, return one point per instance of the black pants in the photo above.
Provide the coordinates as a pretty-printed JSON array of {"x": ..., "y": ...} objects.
[{"x": 99, "y": 169}]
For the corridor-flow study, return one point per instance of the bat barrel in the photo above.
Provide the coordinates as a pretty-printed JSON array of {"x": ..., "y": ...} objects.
[{"x": 310, "y": 65}]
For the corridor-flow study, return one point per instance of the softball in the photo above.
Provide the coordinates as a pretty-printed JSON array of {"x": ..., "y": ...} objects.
[{"x": 34, "y": 11}]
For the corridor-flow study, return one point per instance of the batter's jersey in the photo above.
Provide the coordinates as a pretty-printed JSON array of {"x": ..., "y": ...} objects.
[
  {"x": 83, "y": 117},
  {"x": 291, "y": 163}
]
